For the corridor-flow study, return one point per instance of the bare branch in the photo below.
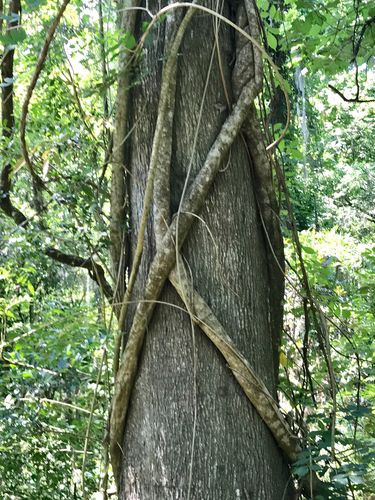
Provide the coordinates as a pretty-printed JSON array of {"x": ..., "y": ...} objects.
[{"x": 349, "y": 99}]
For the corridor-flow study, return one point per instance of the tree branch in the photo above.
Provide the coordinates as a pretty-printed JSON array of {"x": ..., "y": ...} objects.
[
  {"x": 7, "y": 363},
  {"x": 38, "y": 183},
  {"x": 6, "y": 204},
  {"x": 7, "y": 114},
  {"x": 348, "y": 99},
  {"x": 357, "y": 46},
  {"x": 96, "y": 272}
]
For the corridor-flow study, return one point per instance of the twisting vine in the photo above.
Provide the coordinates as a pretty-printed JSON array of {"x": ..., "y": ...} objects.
[
  {"x": 167, "y": 90},
  {"x": 170, "y": 241},
  {"x": 254, "y": 41},
  {"x": 119, "y": 193}
]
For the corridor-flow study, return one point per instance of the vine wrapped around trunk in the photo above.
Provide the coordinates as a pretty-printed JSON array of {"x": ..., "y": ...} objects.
[{"x": 175, "y": 158}]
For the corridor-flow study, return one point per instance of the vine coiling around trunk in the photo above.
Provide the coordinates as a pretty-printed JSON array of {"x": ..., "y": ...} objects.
[{"x": 169, "y": 240}]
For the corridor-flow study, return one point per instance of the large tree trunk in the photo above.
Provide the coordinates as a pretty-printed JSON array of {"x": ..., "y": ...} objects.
[{"x": 190, "y": 430}]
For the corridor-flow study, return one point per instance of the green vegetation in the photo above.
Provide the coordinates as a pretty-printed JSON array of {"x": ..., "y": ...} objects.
[{"x": 56, "y": 327}]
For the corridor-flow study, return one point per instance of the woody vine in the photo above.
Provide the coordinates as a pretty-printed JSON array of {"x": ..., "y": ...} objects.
[{"x": 167, "y": 263}]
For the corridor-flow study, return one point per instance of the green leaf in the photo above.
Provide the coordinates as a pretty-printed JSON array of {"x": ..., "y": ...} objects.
[
  {"x": 346, "y": 313},
  {"x": 263, "y": 4},
  {"x": 13, "y": 37},
  {"x": 315, "y": 30},
  {"x": 271, "y": 40},
  {"x": 31, "y": 289},
  {"x": 296, "y": 154},
  {"x": 129, "y": 41},
  {"x": 301, "y": 471},
  {"x": 308, "y": 249},
  {"x": 340, "y": 479},
  {"x": 4, "y": 273},
  {"x": 34, "y": 4},
  {"x": 273, "y": 30},
  {"x": 301, "y": 27},
  {"x": 272, "y": 11},
  {"x": 356, "y": 479}
]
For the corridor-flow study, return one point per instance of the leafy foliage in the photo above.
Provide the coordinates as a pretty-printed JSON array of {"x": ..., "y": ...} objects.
[
  {"x": 52, "y": 344},
  {"x": 336, "y": 270},
  {"x": 56, "y": 339}
]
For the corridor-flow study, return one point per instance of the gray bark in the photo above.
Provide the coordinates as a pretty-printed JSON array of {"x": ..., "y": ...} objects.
[{"x": 189, "y": 427}]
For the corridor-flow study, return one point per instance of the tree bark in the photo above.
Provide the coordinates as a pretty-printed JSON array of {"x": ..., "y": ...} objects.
[{"x": 190, "y": 430}]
